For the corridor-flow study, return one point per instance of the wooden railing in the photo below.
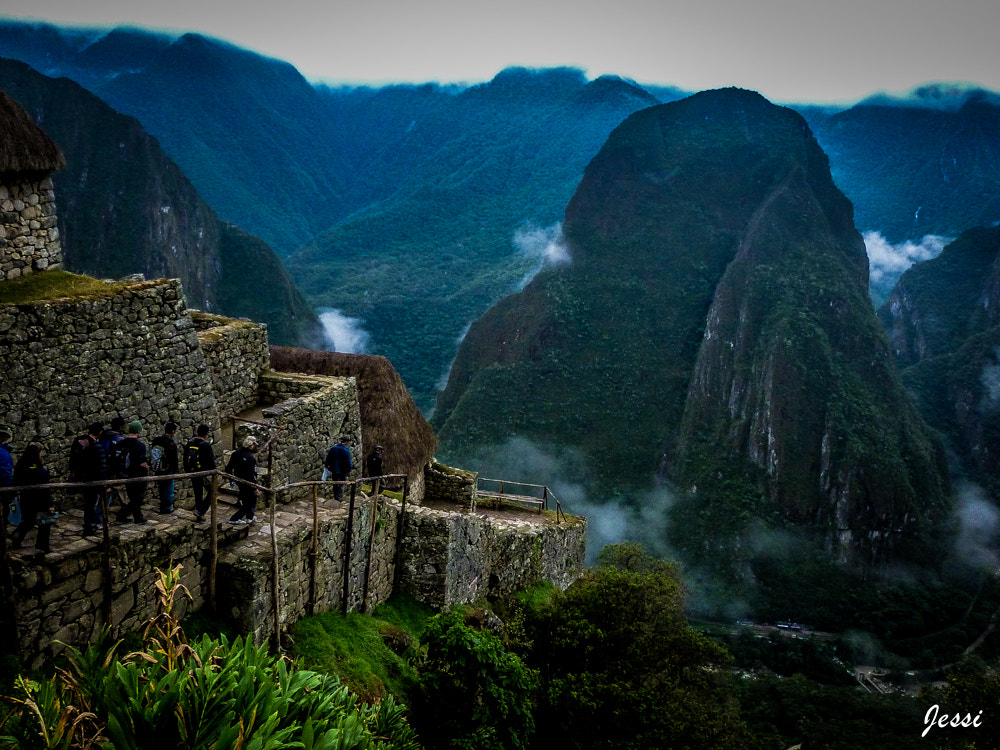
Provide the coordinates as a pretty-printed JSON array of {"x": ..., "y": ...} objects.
[{"x": 499, "y": 491}]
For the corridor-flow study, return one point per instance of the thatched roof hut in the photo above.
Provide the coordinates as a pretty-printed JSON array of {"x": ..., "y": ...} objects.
[
  {"x": 25, "y": 149},
  {"x": 389, "y": 416}
]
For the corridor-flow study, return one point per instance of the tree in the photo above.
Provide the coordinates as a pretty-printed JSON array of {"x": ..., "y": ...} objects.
[
  {"x": 621, "y": 668},
  {"x": 473, "y": 693}
]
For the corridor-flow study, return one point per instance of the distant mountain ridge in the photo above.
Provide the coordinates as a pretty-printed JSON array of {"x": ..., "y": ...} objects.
[
  {"x": 124, "y": 207},
  {"x": 399, "y": 206},
  {"x": 943, "y": 324},
  {"x": 714, "y": 322}
]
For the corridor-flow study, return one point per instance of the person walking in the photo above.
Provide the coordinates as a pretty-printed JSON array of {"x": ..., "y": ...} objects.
[
  {"x": 87, "y": 463},
  {"x": 199, "y": 456},
  {"x": 338, "y": 463},
  {"x": 243, "y": 465},
  {"x": 135, "y": 464},
  {"x": 7, "y": 469},
  {"x": 374, "y": 466},
  {"x": 36, "y": 504},
  {"x": 163, "y": 460},
  {"x": 111, "y": 440}
]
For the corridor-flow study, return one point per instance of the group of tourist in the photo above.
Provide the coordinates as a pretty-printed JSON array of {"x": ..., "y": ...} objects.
[
  {"x": 119, "y": 452},
  {"x": 114, "y": 452}
]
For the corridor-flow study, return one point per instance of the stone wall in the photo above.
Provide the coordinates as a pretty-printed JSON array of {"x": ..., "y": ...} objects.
[
  {"x": 69, "y": 362},
  {"x": 449, "y": 485},
  {"x": 247, "y": 598},
  {"x": 311, "y": 412},
  {"x": 444, "y": 557},
  {"x": 455, "y": 558},
  {"x": 60, "y": 598},
  {"x": 29, "y": 237},
  {"x": 237, "y": 353}
]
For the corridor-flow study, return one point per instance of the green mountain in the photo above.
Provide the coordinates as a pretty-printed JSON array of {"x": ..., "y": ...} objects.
[
  {"x": 912, "y": 171},
  {"x": 943, "y": 324},
  {"x": 713, "y": 327},
  {"x": 494, "y": 161},
  {"x": 124, "y": 207}
]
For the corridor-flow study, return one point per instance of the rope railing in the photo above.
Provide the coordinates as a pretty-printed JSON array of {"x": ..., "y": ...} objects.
[{"x": 218, "y": 476}]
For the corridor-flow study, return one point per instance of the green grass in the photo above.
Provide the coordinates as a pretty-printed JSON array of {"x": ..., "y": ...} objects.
[
  {"x": 54, "y": 285},
  {"x": 354, "y": 647}
]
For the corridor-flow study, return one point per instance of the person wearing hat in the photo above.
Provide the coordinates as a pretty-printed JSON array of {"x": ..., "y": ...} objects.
[
  {"x": 136, "y": 464},
  {"x": 373, "y": 464},
  {"x": 243, "y": 465}
]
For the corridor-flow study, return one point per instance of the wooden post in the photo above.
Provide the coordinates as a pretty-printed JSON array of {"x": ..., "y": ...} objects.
[
  {"x": 313, "y": 553},
  {"x": 276, "y": 575},
  {"x": 400, "y": 528},
  {"x": 213, "y": 496},
  {"x": 103, "y": 496},
  {"x": 371, "y": 547},
  {"x": 545, "y": 499},
  {"x": 347, "y": 547}
]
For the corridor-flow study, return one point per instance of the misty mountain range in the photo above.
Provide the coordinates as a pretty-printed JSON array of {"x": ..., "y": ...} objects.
[{"x": 412, "y": 209}]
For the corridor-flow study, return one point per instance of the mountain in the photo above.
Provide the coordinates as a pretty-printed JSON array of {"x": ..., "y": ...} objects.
[
  {"x": 917, "y": 170},
  {"x": 124, "y": 207},
  {"x": 488, "y": 174},
  {"x": 714, "y": 326},
  {"x": 412, "y": 209},
  {"x": 943, "y": 324}
]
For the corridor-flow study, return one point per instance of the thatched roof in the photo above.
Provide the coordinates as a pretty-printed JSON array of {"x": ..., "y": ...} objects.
[
  {"x": 389, "y": 417},
  {"x": 25, "y": 149}
]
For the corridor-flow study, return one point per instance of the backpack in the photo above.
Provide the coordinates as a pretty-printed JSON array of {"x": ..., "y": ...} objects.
[
  {"x": 76, "y": 450},
  {"x": 117, "y": 456},
  {"x": 156, "y": 459}
]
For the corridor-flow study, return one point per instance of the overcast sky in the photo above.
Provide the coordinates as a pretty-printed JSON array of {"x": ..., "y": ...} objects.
[{"x": 788, "y": 50}]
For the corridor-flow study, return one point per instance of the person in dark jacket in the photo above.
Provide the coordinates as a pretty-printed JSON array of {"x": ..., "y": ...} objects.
[
  {"x": 6, "y": 466},
  {"x": 110, "y": 440},
  {"x": 373, "y": 464},
  {"x": 135, "y": 464},
  {"x": 164, "y": 461},
  {"x": 87, "y": 463},
  {"x": 36, "y": 504},
  {"x": 243, "y": 465},
  {"x": 338, "y": 463},
  {"x": 199, "y": 456}
]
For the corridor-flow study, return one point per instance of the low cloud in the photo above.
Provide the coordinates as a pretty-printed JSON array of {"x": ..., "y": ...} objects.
[
  {"x": 546, "y": 245},
  {"x": 991, "y": 384},
  {"x": 887, "y": 261},
  {"x": 978, "y": 527},
  {"x": 639, "y": 518},
  {"x": 344, "y": 334}
]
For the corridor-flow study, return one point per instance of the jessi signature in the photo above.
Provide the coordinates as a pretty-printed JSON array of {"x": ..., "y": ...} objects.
[{"x": 934, "y": 718}]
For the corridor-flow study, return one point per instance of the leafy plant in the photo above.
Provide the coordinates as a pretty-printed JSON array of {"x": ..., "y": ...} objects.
[
  {"x": 209, "y": 695},
  {"x": 473, "y": 693}
]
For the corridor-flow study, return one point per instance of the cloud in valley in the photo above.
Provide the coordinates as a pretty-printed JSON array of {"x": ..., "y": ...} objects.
[
  {"x": 344, "y": 334},
  {"x": 978, "y": 525},
  {"x": 545, "y": 245},
  {"x": 887, "y": 261},
  {"x": 640, "y": 518}
]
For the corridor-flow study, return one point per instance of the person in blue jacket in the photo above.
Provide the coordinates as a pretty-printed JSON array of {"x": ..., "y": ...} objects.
[
  {"x": 338, "y": 463},
  {"x": 6, "y": 467},
  {"x": 6, "y": 457}
]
